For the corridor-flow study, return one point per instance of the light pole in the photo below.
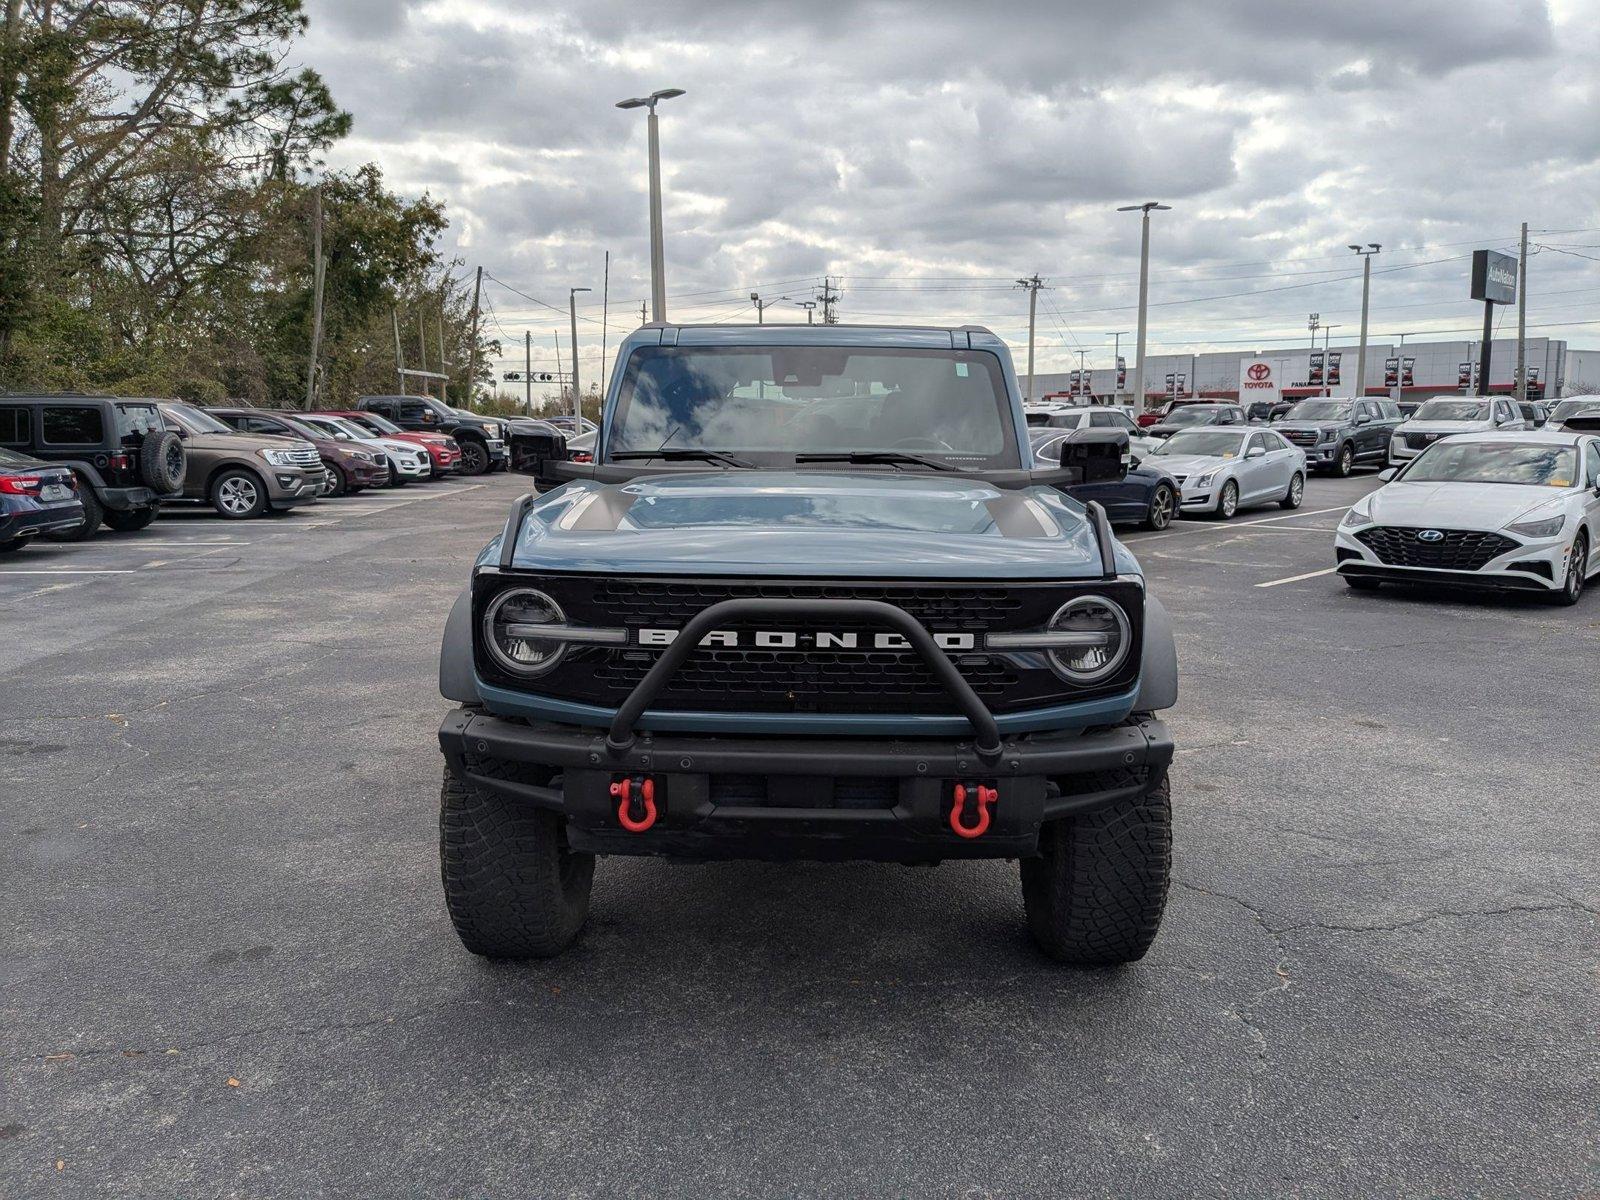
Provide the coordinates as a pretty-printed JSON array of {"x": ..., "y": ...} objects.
[
  {"x": 577, "y": 391},
  {"x": 1146, "y": 208},
  {"x": 658, "y": 256},
  {"x": 761, "y": 307},
  {"x": 1116, "y": 362},
  {"x": 808, "y": 305},
  {"x": 1366, "y": 254}
]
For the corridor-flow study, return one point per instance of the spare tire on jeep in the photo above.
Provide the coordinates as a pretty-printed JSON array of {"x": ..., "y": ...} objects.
[{"x": 162, "y": 462}]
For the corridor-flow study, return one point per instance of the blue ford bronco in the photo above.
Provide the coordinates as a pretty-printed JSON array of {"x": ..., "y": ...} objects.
[{"x": 813, "y": 599}]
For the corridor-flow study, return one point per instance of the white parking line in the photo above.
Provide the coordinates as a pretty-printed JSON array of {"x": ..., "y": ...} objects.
[
  {"x": 1225, "y": 526},
  {"x": 71, "y": 571},
  {"x": 1298, "y": 578}
]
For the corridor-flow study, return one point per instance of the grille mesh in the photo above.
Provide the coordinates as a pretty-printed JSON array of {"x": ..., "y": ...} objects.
[{"x": 1458, "y": 550}]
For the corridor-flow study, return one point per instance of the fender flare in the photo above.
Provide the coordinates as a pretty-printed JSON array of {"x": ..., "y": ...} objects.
[
  {"x": 1158, "y": 668},
  {"x": 457, "y": 680}
]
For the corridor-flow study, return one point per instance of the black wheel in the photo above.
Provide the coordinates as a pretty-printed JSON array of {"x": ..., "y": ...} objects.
[
  {"x": 338, "y": 481},
  {"x": 1296, "y": 494},
  {"x": 1345, "y": 462},
  {"x": 238, "y": 494},
  {"x": 474, "y": 457},
  {"x": 1163, "y": 503},
  {"x": 1096, "y": 892},
  {"x": 133, "y": 520},
  {"x": 1362, "y": 584},
  {"x": 1227, "y": 501},
  {"x": 162, "y": 461},
  {"x": 12, "y": 545},
  {"x": 93, "y": 514},
  {"x": 513, "y": 886},
  {"x": 396, "y": 480},
  {"x": 1577, "y": 568}
]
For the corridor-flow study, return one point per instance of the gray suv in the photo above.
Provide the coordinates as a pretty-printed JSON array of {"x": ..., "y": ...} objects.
[{"x": 1340, "y": 433}]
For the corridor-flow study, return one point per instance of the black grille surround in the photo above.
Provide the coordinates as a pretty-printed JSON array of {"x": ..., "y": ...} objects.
[
  {"x": 805, "y": 679},
  {"x": 1457, "y": 550},
  {"x": 1301, "y": 437}
]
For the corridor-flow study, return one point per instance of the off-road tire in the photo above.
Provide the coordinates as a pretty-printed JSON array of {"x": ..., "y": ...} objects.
[
  {"x": 1345, "y": 461},
  {"x": 162, "y": 462},
  {"x": 1223, "y": 512},
  {"x": 1296, "y": 495},
  {"x": 513, "y": 887},
  {"x": 1163, "y": 508},
  {"x": 1577, "y": 566},
  {"x": 131, "y": 520},
  {"x": 474, "y": 457},
  {"x": 93, "y": 514},
  {"x": 1095, "y": 894}
]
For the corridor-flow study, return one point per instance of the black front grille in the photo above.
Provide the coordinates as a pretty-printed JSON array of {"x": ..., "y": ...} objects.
[
  {"x": 1421, "y": 441},
  {"x": 808, "y": 679},
  {"x": 1456, "y": 550}
]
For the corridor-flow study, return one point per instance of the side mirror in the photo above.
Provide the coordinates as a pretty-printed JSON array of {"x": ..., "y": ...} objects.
[
  {"x": 1385, "y": 475},
  {"x": 1360, "y": 419},
  {"x": 1255, "y": 452}
]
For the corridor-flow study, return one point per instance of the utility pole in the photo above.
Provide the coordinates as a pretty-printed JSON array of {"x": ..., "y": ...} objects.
[
  {"x": 658, "y": 268},
  {"x": 556, "y": 338},
  {"x": 527, "y": 371},
  {"x": 830, "y": 297},
  {"x": 317, "y": 273},
  {"x": 1146, "y": 208},
  {"x": 1522, "y": 319},
  {"x": 761, "y": 307},
  {"x": 644, "y": 317},
  {"x": 422, "y": 343},
  {"x": 1366, "y": 293},
  {"x": 472, "y": 346},
  {"x": 1033, "y": 283},
  {"x": 577, "y": 390},
  {"x": 399, "y": 359},
  {"x": 605, "y": 311},
  {"x": 444, "y": 365}
]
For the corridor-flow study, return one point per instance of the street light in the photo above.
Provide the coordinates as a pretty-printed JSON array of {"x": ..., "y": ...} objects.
[
  {"x": 1366, "y": 291},
  {"x": 808, "y": 305},
  {"x": 1146, "y": 208},
  {"x": 1312, "y": 323},
  {"x": 762, "y": 306},
  {"x": 658, "y": 257},
  {"x": 577, "y": 391}
]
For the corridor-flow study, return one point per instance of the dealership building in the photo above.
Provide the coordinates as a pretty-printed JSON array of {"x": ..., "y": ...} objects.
[{"x": 1393, "y": 369}]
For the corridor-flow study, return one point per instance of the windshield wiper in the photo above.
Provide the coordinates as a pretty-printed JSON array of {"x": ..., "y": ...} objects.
[
  {"x": 875, "y": 456},
  {"x": 684, "y": 454}
]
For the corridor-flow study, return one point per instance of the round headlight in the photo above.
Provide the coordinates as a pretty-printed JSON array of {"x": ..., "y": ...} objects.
[
  {"x": 507, "y": 633},
  {"x": 1105, "y": 638}
]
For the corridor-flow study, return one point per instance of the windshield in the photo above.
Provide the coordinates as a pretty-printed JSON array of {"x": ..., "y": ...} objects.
[
  {"x": 327, "y": 428},
  {"x": 1191, "y": 414},
  {"x": 349, "y": 427},
  {"x": 381, "y": 424},
  {"x": 767, "y": 404},
  {"x": 1452, "y": 461},
  {"x": 1571, "y": 408},
  {"x": 1453, "y": 410},
  {"x": 1318, "y": 410},
  {"x": 198, "y": 420},
  {"x": 1217, "y": 443}
]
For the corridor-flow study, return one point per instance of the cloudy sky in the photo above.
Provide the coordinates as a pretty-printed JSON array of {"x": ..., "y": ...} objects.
[{"x": 928, "y": 153}]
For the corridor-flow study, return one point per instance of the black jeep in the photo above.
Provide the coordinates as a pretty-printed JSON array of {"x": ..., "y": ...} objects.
[
  {"x": 482, "y": 439},
  {"x": 125, "y": 460}
]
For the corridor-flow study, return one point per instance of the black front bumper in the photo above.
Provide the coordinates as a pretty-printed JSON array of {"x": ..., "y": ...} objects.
[
  {"x": 1422, "y": 577},
  {"x": 804, "y": 798}
]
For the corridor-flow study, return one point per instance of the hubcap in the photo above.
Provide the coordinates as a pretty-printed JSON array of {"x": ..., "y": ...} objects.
[
  {"x": 1230, "y": 499},
  {"x": 1297, "y": 487},
  {"x": 1161, "y": 510},
  {"x": 1577, "y": 567},
  {"x": 237, "y": 495}
]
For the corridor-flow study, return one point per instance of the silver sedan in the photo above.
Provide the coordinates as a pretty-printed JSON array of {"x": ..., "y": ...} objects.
[{"x": 1220, "y": 471}]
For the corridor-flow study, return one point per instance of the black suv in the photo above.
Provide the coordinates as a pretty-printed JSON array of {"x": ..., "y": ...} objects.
[
  {"x": 125, "y": 459},
  {"x": 1340, "y": 433},
  {"x": 482, "y": 439}
]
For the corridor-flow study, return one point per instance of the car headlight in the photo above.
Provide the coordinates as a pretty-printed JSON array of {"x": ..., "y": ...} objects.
[
  {"x": 1548, "y": 527},
  {"x": 1100, "y": 639},
  {"x": 510, "y": 631},
  {"x": 1360, "y": 514},
  {"x": 1325, "y": 435},
  {"x": 362, "y": 456},
  {"x": 1204, "y": 480},
  {"x": 279, "y": 458}
]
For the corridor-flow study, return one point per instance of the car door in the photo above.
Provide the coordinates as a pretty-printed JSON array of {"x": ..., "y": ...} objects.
[
  {"x": 1254, "y": 471},
  {"x": 1591, "y": 501},
  {"x": 1371, "y": 436}
]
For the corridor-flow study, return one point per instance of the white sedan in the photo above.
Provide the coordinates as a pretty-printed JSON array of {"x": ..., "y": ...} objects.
[
  {"x": 407, "y": 460},
  {"x": 1220, "y": 471},
  {"x": 1510, "y": 511}
]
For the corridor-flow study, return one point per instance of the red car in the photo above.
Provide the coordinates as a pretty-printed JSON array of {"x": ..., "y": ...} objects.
[
  {"x": 442, "y": 448},
  {"x": 1158, "y": 415}
]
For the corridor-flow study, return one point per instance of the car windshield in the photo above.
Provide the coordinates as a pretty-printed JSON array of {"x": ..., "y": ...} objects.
[
  {"x": 1191, "y": 414},
  {"x": 198, "y": 419},
  {"x": 374, "y": 421},
  {"x": 1453, "y": 410},
  {"x": 1526, "y": 463},
  {"x": 767, "y": 405},
  {"x": 1212, "y": 443},
  {"x": 1571, "y": 408},
  {"x": 1067, "y": 420},
  {"x": 349, "y": 427},
  {"x": 330, "y": 429},
  {"x": 1318, "y": 410}
]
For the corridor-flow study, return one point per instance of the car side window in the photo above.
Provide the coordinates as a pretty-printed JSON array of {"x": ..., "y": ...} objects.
[
  {"x": 15, "y": 426},
  {"x": 1101, "y": 420},
  {"x": 1593, "y": 475},
  {"x": 72, "y": 425},
  {"x": 1272, "y": 441},
  {"x": 412, "y": 410}
]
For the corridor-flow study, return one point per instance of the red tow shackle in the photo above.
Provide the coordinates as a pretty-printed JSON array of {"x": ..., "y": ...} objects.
[
  {"x": 646, "y": 799},
  {"x": 985, "y": 796}
]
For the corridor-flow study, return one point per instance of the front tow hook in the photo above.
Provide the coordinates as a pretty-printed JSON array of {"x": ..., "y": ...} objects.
[
  {"x": 636, "y": 803},
  {"x": 983, "y": 796}
]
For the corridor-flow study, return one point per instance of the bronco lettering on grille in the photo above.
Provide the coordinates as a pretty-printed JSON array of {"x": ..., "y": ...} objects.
[{"x": 776, "y": 639}]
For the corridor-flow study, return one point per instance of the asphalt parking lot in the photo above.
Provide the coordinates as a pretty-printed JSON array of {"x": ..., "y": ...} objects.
[{"x": 227, "y": 969}]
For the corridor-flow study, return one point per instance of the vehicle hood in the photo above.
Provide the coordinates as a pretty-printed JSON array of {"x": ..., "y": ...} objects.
[
  {"x": 392, "y": 445},
  {"x": 1187, "y": 464},
  {"x": 1317, "y": 427},
  {"x": 824, "y": 524},
  {"x": 1443, "y": 426},
  {"x": 1162, "y": 430},
  {"x": 1484, "y": 506},
  {"x": 236, "y": 443}
]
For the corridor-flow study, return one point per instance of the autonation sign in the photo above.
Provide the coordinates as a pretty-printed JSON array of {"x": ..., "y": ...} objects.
[{"x": 1494, "y": 276}]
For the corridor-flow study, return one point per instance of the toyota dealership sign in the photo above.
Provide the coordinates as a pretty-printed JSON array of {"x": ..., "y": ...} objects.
[{"x": 1261, "y": 379}]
